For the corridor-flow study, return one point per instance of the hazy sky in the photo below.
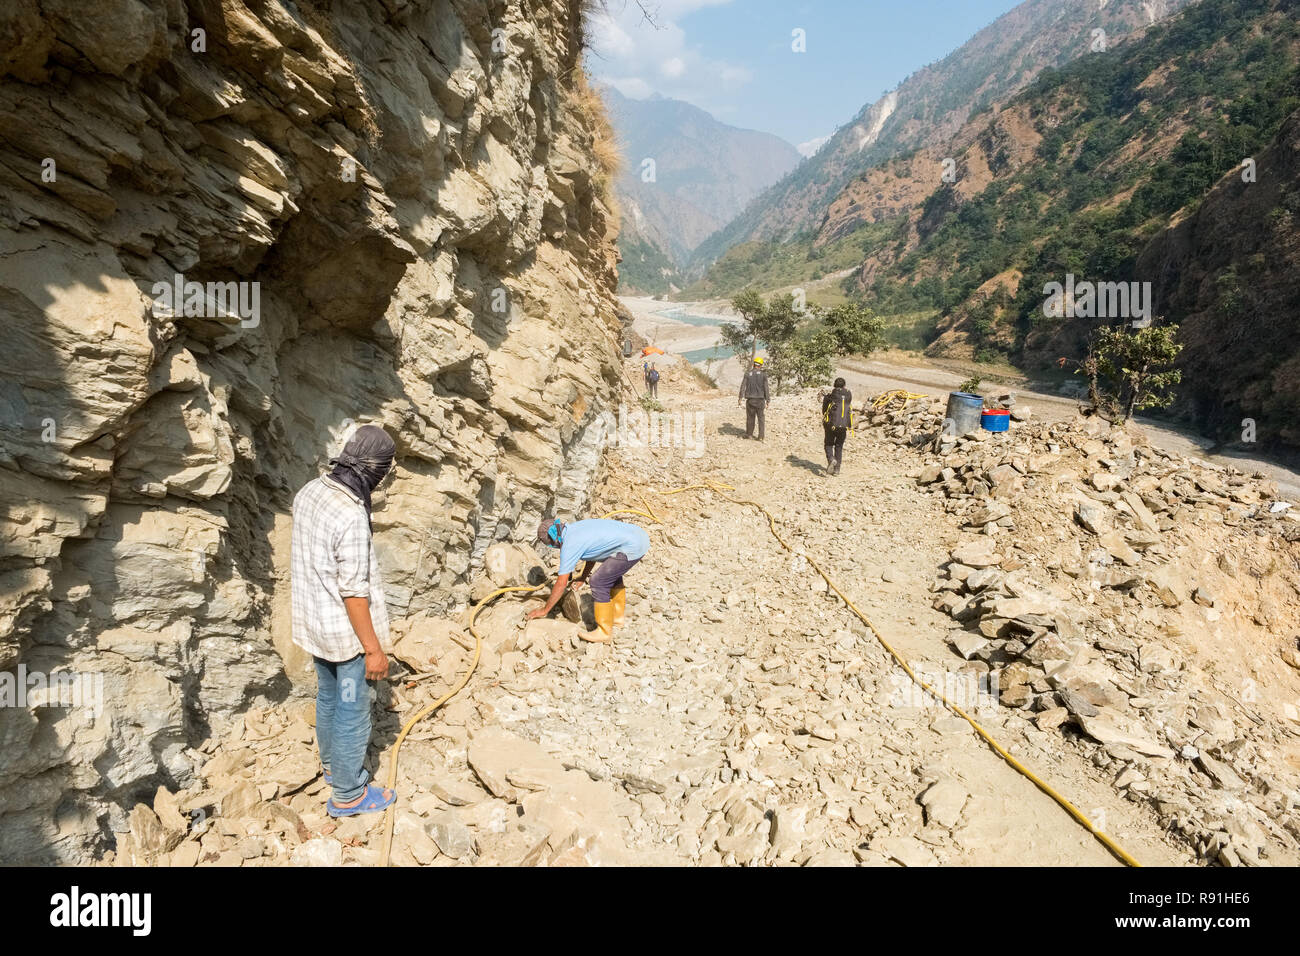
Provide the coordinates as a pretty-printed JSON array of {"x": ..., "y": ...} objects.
[{"x": 734, "y": 58}]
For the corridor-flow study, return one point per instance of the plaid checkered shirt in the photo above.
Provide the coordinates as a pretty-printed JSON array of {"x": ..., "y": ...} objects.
[{"x": 332, "y": 559}]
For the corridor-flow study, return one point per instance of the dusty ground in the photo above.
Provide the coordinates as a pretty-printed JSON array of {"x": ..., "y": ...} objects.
[
  {"x": 916, "y": 373},
  {"x": 744, "y": 716},
  {"x": 827, "y": 726}
]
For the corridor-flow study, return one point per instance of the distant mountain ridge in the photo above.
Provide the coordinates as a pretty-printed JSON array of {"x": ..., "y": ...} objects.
[
  {"x": 931, "y": 105},
  {"x": 703, "y": 174}
]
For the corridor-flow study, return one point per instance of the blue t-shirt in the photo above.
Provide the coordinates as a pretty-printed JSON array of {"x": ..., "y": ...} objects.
[{"x": 599, "y": 538}]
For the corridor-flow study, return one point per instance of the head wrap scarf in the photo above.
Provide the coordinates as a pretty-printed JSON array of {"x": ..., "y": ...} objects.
[
  {"x": 364, "y": 462},
  {"x": 544, "y": 530}
]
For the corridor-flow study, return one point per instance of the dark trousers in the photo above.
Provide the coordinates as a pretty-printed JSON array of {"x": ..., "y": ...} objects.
[
  {"x": 654, "y": 389},
  {"x": 754, "y": 410},
  {"x": 609, "y": 574},
  {"x": 834, "y": 444}
]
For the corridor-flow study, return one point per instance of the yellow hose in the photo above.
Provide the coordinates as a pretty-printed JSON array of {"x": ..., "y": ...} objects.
[
  {"x": 419, "y": 716},
  {"x": 469, "y": 672},
  {"x": 718, "y": 489},
  {"x": 886, "y": 397},
  {"x": 721, "y": 490}
]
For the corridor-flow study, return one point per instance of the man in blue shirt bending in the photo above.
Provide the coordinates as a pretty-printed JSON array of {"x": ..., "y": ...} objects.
[{"x": 611, "y": 548}]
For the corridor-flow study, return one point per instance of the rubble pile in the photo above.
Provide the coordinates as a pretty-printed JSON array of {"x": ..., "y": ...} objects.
[
  {"x": 686, "y": 742},
  {"x": 473, "y": 791},
  {"x": 1139, "y": 604},
  {"x": 1123, "y": 617}
]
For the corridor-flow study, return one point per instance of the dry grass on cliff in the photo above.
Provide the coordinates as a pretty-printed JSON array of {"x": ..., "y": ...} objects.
[{"x": 589, "y": 105}]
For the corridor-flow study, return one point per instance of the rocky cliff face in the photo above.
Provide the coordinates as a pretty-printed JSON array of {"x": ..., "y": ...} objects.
[{"x": 396, "y": 214}]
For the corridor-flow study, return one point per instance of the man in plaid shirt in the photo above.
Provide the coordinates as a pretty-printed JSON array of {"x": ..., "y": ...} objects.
[{"x": 339, "y": 615}]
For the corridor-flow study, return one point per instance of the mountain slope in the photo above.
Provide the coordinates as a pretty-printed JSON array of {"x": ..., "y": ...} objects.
[
  {"x": 930, "y": 106},
  {"x": 703, "y": 174},
  {"x": 1119, "y": 169},
  {"x": 1230, "y": 275}
]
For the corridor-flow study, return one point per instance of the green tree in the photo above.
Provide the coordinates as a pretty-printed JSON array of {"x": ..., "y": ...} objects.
[
  {"x": 773, "y": 322},
  {"x": 1139, "y": 365},
  {"x": 803, "y": 361},
  {"x": 855, "y": 329}
]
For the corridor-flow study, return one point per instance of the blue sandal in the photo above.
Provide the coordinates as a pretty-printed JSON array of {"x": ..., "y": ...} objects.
[{"x": 372, "y": 802}]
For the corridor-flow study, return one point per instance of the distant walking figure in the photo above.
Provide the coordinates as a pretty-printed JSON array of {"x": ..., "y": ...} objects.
[
  {"x": 652, "y": 381},
  {"x": 837, "y": 419},
  {"x": 754, "y": 393}
]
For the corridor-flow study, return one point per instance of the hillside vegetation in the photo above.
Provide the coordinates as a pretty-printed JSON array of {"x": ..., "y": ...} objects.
[
  {"x": 1117, "y": 168},
  {"x": 931, "y": 105},
  {"x": 1092, "y": 163}
]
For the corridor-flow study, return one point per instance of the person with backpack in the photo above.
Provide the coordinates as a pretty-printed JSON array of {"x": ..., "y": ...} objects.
[
  {"x": 652, "y": 380},
  {"x": 754, "y": 393},
  {"x": 837, "y": 419}
]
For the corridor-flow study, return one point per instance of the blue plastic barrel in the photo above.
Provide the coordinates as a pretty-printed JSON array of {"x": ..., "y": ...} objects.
[
  {"x": 963, "y": 414},
  {"x": 996, "y": 420}
]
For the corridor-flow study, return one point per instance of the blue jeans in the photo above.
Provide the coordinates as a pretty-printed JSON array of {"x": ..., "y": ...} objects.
[{"x": 343, "y": 724}]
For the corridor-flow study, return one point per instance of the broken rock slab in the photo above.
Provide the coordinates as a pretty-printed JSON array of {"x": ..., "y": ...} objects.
[
  {"x": 519, "y": 844},
  {"x": 499, "y": 757},
  {"x": 908, "y": 851},
  {"x": 577, "y": 809},
  {"x": 1224, "y": 777},
  {"x": 1112, "y": 729},
  {"x": 976, "y": 554},
  {"x": 1093, "y": 517},
  {"x": 451, "y": 835},
  {"x": 943, "y": 802},
  {"x": 320, "y": 851},
  {"x": 545, "y": 632},
  {"x": 424, "y": 640},
  {"x": 456, "y": 793},
  {"x": 967, "y": 644},
  {"x": 151, "y": 837},
  {"x": 832, "y": 858}
]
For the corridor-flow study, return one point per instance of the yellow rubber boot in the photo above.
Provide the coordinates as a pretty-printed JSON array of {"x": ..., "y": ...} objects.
[
  {"x": 618, "y": 598},
  {"x": 604, "y": 632}
]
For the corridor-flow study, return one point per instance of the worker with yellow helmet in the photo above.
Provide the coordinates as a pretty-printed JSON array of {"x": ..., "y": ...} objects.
[{"x": 754, "y": 393}]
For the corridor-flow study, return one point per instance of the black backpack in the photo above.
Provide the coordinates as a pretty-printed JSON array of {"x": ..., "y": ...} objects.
[
  {"x": 654, "y": 376},
  {"x": 839, "y": 411}
]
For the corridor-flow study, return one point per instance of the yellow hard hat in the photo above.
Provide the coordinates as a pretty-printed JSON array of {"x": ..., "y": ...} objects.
[{"x": 758, "y": 360}]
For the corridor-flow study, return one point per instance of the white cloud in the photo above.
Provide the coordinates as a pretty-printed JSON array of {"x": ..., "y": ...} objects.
[
  {"x": 614, "y": 42},
  {"x": 673, "y": 68},
  {"x": 638, "y": 58},
  {"x": 734, "y": 76},
  {"x": 810, "y": 148}
]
